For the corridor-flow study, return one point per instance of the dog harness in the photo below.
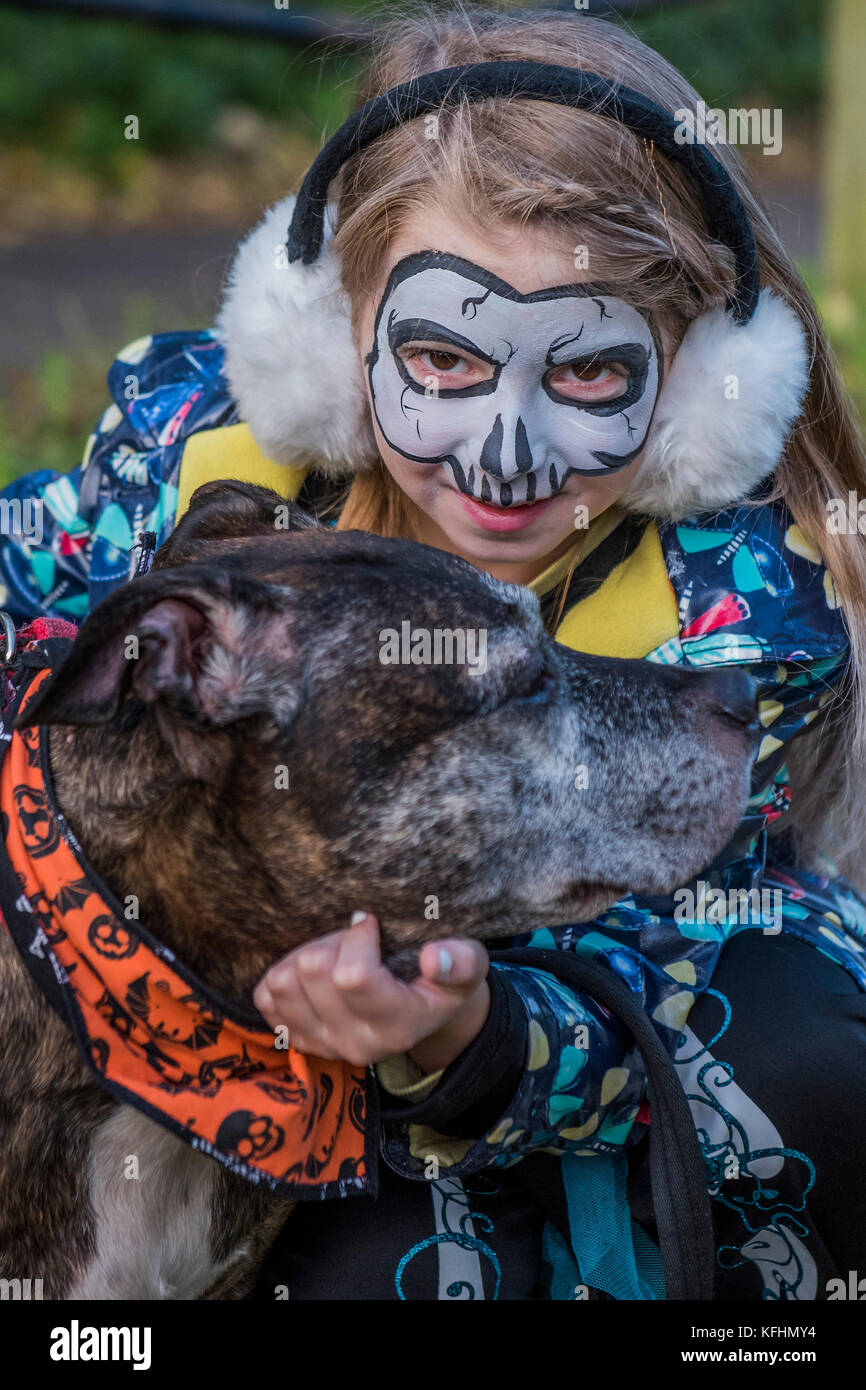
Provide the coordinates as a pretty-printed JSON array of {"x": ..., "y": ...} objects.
[{"x": 153, "y": 1035}]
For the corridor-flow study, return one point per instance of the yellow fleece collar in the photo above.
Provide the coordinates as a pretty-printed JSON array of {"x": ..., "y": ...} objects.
[
  {"x": 585, "y": 542},
  {"x": 231, "y": 452},
  {"x": 632, "y": 612}
]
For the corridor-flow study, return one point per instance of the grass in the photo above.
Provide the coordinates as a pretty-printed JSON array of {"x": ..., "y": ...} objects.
[
  {"x": 48, "y": 412},
  {"x": 68, "y": 85}
]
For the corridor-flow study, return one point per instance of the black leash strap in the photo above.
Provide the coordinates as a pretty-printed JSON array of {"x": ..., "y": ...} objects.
[{"x": 678, "y": 1174}]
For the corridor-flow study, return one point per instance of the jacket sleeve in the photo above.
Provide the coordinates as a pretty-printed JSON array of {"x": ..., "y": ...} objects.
[
  {"x": 44, "y": 561},
  {"x": 66, "y": 539},
  {"x": 550, "y": 1070},
  {"x": 753, "y": 591}
]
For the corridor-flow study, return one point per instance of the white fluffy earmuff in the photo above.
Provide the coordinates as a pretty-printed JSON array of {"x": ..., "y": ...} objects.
[
  {"x": 290, "y": 358},
  {"x": 724, "y": 411}
]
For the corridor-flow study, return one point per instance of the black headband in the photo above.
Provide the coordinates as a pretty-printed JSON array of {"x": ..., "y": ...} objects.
[{"x": 726, "y": 216}]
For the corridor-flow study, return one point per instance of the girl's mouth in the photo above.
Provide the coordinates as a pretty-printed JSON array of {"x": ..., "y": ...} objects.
[{"x": 503, "y": 518}]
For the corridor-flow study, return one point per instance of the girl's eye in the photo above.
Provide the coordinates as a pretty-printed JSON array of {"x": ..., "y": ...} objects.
[
  {"x": 442, "y": 362},
  {"x": 592, "y": 380}
]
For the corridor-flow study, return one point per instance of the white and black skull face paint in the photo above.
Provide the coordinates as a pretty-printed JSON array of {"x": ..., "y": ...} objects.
[{"x": 514, "y": 437}]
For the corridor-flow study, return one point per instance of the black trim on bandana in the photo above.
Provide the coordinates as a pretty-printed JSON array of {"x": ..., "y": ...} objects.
[{"x": 40, "y": 963}]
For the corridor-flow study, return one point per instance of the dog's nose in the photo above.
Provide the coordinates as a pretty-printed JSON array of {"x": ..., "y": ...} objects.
[{"x": 736, "y": 695}]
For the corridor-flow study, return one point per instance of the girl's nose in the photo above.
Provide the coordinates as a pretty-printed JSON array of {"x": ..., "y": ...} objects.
[{"x": 505, "y": 453}]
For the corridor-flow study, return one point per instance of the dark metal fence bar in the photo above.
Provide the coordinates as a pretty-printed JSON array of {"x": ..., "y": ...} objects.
[
  {"x": 282, "y": 25},
  {"x": 227, "y": 16}
]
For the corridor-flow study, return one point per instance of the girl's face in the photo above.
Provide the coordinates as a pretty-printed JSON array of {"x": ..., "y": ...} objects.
[{"x": 508, "y": 403}]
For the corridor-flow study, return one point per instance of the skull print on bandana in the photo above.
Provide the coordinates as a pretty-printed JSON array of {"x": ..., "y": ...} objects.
[{"x": 514, "y": 437}]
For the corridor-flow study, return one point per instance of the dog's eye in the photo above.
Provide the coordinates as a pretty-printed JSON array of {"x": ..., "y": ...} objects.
[{"x": 537, "y": 685}]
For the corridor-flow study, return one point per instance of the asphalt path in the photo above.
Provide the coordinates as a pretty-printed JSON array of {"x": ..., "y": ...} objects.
[{"x": 83, "y": 289}]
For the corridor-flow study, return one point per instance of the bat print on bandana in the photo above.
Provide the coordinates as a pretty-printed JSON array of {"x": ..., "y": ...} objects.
[{"x": 561, "y": 381}]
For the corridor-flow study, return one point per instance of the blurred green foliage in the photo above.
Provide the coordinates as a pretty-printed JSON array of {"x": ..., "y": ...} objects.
[
  {"x": 844, "y": 318},
  {"x": 732, "y": 49},
  {"x": 66, "y": 83}
]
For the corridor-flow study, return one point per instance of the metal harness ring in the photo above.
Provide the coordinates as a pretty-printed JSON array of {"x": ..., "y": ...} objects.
[{"x": 10, "y": 637}]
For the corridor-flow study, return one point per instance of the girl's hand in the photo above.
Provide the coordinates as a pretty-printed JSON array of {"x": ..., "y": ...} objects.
[{"x": 338, "y": 1000}]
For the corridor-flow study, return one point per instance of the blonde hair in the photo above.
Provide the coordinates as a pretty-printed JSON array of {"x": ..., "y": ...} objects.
[{"x": 590, "y": 182}]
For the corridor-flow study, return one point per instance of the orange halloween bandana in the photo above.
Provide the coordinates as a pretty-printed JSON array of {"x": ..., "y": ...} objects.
[{"x": 156, "y": 1037}]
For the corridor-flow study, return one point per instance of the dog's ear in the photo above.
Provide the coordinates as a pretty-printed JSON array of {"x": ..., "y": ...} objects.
[
  {"x": 205, "y": 648},
  {"x": 228, "y": 511}
]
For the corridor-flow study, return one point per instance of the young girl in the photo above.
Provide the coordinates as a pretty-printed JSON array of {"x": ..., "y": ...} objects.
[{"x": 528, "y": 362}]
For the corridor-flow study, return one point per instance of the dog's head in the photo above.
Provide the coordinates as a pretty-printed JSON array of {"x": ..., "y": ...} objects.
[{"x": 378, "y": 724}]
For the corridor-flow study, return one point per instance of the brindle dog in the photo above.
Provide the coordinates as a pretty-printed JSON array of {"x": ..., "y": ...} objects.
[{"x": 259, "y": 647}]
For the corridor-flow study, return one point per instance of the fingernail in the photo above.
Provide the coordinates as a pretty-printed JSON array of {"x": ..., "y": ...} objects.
[
  {"x": 262, "y": 998},
  {"x": 348, "y": 977},
  {"x": 358, "y": 917},
  {"x": 445, "y": 961}
]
